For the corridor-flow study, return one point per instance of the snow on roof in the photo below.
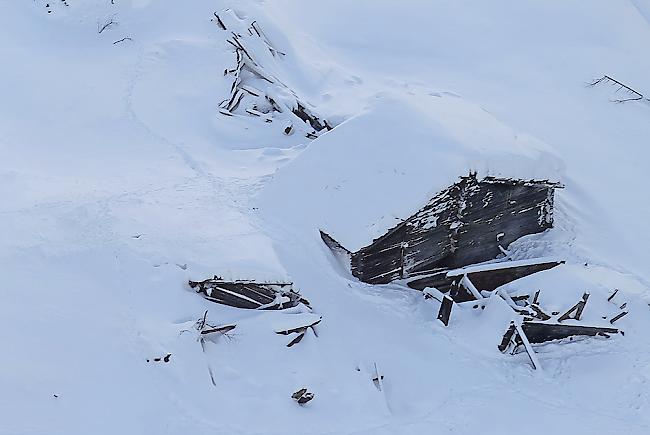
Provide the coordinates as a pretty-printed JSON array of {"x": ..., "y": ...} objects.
[{"x": 378, "y": 168}]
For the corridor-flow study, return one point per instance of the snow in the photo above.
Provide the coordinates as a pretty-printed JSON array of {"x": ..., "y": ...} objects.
[{"x": 121, "y": 181}]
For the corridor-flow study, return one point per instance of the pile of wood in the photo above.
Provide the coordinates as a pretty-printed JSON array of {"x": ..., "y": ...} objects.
[
  {"x": 532, "y": 325},
  {"x": 257, "y": 92},
  {"x": 249, "y": 294}
]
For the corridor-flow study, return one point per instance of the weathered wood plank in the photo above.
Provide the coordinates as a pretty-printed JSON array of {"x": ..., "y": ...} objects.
[
  {"x": 539, "y": 332},
  {"x": 445, "y": 310}
]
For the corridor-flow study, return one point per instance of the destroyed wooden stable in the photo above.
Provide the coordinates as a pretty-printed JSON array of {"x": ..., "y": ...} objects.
[
  {"x": 437, "y": 251},
  {"x": 249, "y": 294}
]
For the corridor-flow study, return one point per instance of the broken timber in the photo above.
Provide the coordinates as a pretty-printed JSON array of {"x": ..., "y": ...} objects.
[
  {"x": 300, "y": 331},
  {"x": 486, "y": 277},
  {"x": 249, "y": 294},
  {"x": 539, "y": 332}
]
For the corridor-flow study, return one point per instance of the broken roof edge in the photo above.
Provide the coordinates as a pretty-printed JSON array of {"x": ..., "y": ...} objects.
[
  {"x": 519, "y": 182},
  {"x": 489, "y": 179}
]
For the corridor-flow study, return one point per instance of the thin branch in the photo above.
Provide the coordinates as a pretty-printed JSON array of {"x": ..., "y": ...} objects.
[
  {"x": 122, "y": 40},
  {"x": 636, "y": 96},
  {"x": 111, "y": 21}
]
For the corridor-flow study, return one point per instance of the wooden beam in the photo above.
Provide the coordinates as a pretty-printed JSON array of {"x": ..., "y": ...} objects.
[{"x": 539, "y": 332}]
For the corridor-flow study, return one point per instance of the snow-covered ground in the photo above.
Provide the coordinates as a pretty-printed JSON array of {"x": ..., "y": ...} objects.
[{"x": 121, "y": 180}]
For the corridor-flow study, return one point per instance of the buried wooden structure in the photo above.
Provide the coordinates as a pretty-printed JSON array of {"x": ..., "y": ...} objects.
[
  {"x": 256, "y": 91},
  {"x": 437, "y": 249},
  {"x": 472, "y": 221},
  {"x": 249, "y": 294}
]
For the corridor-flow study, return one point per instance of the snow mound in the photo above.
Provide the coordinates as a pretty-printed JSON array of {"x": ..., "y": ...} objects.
[{"x": 384, "y": 164}]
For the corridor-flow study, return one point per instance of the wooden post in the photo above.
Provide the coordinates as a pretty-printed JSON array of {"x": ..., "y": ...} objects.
[{"x": 445, "y": 310}]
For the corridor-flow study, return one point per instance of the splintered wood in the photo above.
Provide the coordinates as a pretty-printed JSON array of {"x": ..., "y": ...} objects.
[{"x": 257, "y": 92}]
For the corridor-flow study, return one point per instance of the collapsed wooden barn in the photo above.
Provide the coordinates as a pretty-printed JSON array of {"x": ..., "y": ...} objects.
[
  {"x": 472, "y": 221},
  {"x": 438, "y": 250}
]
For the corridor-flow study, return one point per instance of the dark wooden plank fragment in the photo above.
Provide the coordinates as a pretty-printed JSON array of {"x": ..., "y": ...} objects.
[
  {"x": 299, "y": 328},
  {"x": 445, "y": 310},
  {"x": 614, "y": 319},
  {"x": 491, "y": 279},
  {"x": 507, "y": 337},
  {"x": 539, "y": 332}
]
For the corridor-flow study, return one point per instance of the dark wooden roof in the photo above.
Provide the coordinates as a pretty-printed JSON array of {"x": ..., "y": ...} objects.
[{"x": 469, "y": 222}]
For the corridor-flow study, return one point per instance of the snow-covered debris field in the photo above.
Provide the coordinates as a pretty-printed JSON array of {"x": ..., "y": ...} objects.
[{"x": 147, "y": 143}]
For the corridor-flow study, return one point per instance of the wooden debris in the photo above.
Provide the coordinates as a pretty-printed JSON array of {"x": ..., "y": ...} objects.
[
  {"x": 529, "y": 349},
  {"x": 302, "y": 396},
  {"x": 221, "y": 329},
  {"x": 378, "y": 379},
  {"x": 515, "y": 337},
  {"x": 300, "y": 328},
  {"x": 487, "y": 277},
  {"x": 575, "y": 311},
  {"x": 245, "y": 88},
  {"x": 220, "y": 23},
  {"x": 632, "y": 94},
  {"x": 614, "y": 319},
  {"x": 300, "y": 331},
  {"x": 538, "y": 313},
  {"x": 249, "y": 294},
  {"x": 609, "y": 299},
  {"x": 445, "y": 310},
  {"x": 540, "y": 332},
  {"x": 161, "y": 358},
  {"x": 508, "y": 338},
  {"x": 469, "y": 286},
  {"x": 536, "y": 298}
]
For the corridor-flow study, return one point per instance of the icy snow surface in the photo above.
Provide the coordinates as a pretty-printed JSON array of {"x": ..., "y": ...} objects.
[{"x": 121, "y": 180}]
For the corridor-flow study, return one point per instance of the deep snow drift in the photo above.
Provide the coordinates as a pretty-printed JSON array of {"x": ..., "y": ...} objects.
[{"x": 121, "y": 180}]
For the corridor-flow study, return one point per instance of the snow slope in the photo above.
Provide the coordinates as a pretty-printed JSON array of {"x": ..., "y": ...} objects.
[{"x": 121, "y": 180}]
